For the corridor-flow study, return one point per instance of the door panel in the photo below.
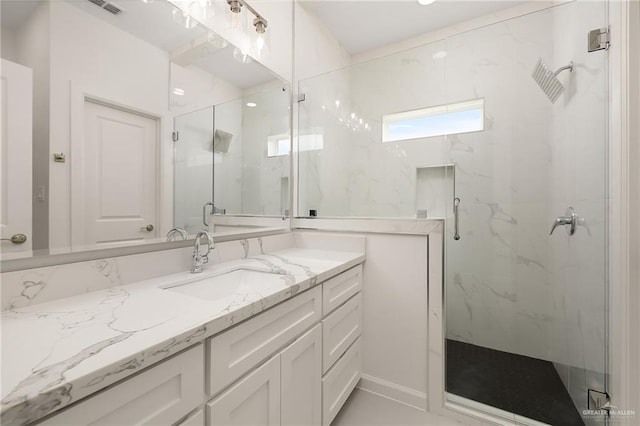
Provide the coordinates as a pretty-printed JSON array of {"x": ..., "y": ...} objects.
[
  {"x": 120, "y": 169},
  {"x": 16, "y": 111}
]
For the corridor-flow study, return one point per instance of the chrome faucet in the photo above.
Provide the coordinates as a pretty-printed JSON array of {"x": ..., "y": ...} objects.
[
  {"x": 177, "y": 232},
  {"x": 200, "y": 259}
]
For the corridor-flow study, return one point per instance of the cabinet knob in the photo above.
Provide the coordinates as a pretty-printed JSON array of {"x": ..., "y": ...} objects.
[{"x": 147, "y": 228}]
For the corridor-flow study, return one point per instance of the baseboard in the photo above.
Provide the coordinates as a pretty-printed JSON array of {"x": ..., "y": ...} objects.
[{"x": 394, "y": 391}]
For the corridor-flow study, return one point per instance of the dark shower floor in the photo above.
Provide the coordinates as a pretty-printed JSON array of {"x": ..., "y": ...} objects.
[{"x": 526, "y": 386}]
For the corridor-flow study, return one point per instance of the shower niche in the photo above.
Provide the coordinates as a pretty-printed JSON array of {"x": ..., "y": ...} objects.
[{"x": 434, "y": 184}]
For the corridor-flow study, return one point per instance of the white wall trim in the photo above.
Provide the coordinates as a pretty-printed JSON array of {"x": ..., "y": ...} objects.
[
  {"x": 393, "y": 391},
  {"x": 624, "y": 210}
]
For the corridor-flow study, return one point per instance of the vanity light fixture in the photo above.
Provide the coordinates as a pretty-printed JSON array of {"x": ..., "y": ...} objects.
[
  {"x": 252, "y": 104},
  {"x": 426, "y": 2},
  {"x": 260, "y": 24}
]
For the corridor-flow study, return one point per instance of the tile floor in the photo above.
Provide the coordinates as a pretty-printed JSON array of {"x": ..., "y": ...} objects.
[
  {"x": 518, "y": 384},
  {"x": 368, "y": 409}
]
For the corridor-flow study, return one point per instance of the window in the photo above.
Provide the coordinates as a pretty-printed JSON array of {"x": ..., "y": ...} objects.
[
  {"x": 278, "y": 145},
  {"x": 461, "y": 117}
]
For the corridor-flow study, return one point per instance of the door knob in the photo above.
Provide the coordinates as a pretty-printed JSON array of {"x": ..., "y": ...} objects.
[
  {"x": 16, "y": 238},
  {"x": 570, "y": 219},
  {"x": 147, "y": 228}
]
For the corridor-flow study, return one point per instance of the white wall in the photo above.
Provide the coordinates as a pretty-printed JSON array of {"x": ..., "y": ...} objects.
[
  {"x": 394, "y": 307},
  {"x": 8, "y": 48}
]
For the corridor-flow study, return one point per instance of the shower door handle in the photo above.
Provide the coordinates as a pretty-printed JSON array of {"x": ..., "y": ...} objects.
[
  {"x": 456, "y": 229},
  {"x": 204, "y": 212},
  {"x": 571, "y": 219}
]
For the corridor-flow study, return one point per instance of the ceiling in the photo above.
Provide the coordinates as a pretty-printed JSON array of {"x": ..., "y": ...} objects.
[{"x": 363, "y": 25}]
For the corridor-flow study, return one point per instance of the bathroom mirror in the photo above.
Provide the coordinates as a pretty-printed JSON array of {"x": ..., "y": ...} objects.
[{"x": 122, "y": 120}]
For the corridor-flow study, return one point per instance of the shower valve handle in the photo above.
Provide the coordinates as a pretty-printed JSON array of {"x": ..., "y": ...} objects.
[{"x": 570, "y": 219}]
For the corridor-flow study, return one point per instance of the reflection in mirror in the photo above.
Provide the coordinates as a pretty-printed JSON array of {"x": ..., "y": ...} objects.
[
  {"x": 223, "y": 163},
  {"x": 87, "y": 160}
]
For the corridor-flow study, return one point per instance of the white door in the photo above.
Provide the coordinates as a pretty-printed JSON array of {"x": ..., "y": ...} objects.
[
  {"x": 301, "y": 368},
  {"x": 254, "y": 400},
  {"x": 15, "y": 156},
  {"x": 119, "y": 190}
]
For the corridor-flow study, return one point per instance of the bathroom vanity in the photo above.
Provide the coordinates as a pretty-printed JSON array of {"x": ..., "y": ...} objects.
[{"x": 267, "y": 339}]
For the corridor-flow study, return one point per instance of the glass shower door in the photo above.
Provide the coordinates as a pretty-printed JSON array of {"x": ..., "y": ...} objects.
[
  {"x": 526, "y": 309},
  {"x": 193, "y": 169}
]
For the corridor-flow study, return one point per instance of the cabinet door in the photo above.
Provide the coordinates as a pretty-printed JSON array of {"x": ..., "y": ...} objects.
[
  {"x": 254, "y": 400},
  {"x": 160, "y": 395},
  {"x": 195, "y": 419},
  {"x": 301, "y": 367}
]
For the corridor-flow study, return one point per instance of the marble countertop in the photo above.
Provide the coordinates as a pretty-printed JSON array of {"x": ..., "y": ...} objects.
[{"x": 58, "y": 352}]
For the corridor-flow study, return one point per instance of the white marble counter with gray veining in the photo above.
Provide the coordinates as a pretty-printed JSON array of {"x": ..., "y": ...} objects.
[{"x": 55, "y": 353}]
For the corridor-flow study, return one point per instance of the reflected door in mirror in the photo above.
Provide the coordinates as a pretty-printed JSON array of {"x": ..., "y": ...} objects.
[
  {"x": 15, "y": 169},
  {"x": 120, "y": 177}
]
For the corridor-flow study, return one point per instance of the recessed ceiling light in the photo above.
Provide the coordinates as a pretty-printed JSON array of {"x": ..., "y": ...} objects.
[
  {"x": 178, "y": 91},
  {"x": 426, "y": 2},
  {"x": 252, "y": 104}
]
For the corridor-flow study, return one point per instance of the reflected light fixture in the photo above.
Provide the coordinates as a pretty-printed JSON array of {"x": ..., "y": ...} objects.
[
  {"x": 260, "y": 24},
  {"x": 252, "y": 104},
  {"x": 426, "y": 2},
  {"x": 178, "y": 91},
  {"x": 241, "y": 56}
]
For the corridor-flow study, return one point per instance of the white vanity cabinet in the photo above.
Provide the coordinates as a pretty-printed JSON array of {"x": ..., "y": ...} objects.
[
  {"x": 160, "y": 395},
  {"x": 292, "y": 365},
  {"x": 255, "y": 379},
  {"x": 284, "y": 390},
  {"x": 341, "y": 347}
]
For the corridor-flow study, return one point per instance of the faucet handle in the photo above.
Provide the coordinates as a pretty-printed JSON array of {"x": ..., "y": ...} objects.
[{"x": 570, "y": 219}]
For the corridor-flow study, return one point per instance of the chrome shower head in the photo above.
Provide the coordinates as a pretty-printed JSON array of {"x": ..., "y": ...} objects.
[{"x": 548, "y": 80}]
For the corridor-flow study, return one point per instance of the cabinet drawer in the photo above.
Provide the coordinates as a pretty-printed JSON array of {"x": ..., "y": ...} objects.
[
  {"x": 235, "y": 352},
  {"x": 339, "y": 330},
  {"x": 340, "y": 381},
  {"x": 160, "y": 395},
  {"x": 339, "y": 289}
]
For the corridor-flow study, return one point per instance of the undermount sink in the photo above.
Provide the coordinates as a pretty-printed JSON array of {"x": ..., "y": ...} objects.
[{"x": 224, "y": 284}]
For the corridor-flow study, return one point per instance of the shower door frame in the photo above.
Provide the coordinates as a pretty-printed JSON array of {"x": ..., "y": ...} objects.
[{"x": 622, "y": 356}]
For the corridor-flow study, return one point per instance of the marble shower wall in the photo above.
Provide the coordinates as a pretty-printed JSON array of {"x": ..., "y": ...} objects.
[
  {"x": 355, "y": 174},
  {"x": 265, "y": 179},
  {"x": 510, "y": 286}
]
